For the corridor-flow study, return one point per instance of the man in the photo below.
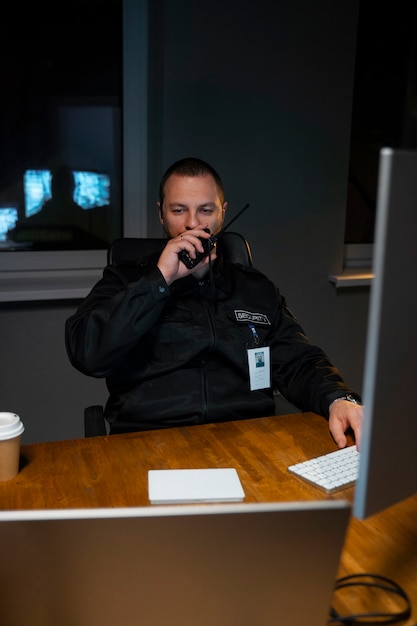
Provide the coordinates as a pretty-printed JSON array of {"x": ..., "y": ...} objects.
[{"x": 180, "y": 346}]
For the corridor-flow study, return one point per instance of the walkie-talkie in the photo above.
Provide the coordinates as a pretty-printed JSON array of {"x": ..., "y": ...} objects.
[{"x": 208, "y": 244}]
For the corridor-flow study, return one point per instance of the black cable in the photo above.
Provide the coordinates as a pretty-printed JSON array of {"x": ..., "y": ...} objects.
[{"x": 377, "y": 617}]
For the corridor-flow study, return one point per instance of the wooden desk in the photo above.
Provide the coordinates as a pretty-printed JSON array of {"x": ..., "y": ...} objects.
[{"x": 112, "y": 472}]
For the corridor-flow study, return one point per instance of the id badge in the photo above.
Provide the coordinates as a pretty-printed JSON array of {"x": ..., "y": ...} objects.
[{"x": 259, "y": 368}]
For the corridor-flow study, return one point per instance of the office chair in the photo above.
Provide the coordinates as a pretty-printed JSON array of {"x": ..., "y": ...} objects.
[{"x": 233, "y": 246}]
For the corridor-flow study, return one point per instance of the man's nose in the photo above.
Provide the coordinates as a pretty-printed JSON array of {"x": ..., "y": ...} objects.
[{"x": 191, "y": 220}]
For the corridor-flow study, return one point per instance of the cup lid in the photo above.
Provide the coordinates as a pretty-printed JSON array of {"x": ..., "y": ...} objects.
[{"x": 10, "y": 425}]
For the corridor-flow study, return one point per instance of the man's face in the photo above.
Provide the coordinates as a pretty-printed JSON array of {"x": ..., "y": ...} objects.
[{"x": 191, "y": 202}]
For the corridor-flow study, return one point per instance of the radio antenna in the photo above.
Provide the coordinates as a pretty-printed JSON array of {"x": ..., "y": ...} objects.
[{"x": 235, "y": 218}]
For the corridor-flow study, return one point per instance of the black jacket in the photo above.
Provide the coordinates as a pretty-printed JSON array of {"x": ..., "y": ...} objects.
[{"x": 178, "y": 355}]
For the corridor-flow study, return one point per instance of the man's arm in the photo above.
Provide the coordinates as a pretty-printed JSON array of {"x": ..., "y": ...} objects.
[
  {"x": 109, "y": 323},
  {"x": 307, "y": 378}
]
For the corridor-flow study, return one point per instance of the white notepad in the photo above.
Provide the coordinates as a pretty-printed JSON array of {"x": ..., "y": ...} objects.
[{"x": 175, "y": 486}]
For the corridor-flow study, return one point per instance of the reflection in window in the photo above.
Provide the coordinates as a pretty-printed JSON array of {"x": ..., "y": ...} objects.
[
  {"x": 36, "y": 189},
  {"x": 66, "y": 207},
  {"x": 60, "y": 123},
  {"x": 8, "y": 220},
  {"x": 91, "y": 189}
]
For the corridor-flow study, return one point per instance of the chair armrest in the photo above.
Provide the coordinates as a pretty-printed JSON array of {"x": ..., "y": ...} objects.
[{"x": 94, "y": 423}]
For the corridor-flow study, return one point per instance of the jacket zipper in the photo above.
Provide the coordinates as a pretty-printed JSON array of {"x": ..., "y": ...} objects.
[{"x": 204, "y": 381}]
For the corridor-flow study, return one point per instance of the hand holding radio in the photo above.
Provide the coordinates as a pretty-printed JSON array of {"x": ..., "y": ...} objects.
[
  {"x": 208, "y": 244},
  {"x": 185, "y": 245}
]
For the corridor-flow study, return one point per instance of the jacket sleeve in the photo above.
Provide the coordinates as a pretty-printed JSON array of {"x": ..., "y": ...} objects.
[
  {"x": 112, "y": 319},
  {"x": 301, "y": 371}
]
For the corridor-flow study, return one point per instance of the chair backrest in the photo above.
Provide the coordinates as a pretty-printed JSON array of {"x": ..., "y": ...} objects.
[
  {"x": 129, "y": 248},
  {"x": 233, "y": 246}
]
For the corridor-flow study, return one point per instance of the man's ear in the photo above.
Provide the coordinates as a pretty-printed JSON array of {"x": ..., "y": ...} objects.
[{"x": 161, "y": 217}]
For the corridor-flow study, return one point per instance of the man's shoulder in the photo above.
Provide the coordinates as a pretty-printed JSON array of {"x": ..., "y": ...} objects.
[
  {"x": 249, "y": 272},
  {"x": 251, "y": 279}
]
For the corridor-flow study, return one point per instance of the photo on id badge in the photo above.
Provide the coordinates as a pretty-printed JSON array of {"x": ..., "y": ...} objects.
[{"x": 259, "y": 372}]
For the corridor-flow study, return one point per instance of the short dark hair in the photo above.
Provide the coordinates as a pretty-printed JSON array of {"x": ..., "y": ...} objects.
[{"x": 190, "y": 166}]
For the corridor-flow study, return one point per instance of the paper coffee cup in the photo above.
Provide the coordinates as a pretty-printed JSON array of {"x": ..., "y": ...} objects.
[{"x": 11, "y": 428}]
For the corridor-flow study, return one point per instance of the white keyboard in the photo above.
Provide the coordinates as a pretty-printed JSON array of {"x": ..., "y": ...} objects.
[{"x": 330, "y": 472}]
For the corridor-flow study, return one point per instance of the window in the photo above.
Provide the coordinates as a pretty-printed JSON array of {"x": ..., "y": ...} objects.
[
  {"x": 384, "y": 109},
  {"x": 68, "y": 83}
]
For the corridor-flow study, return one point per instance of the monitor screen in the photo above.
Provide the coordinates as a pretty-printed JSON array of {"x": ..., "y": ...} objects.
[
  {"x": 388, "y": 453},
  {"x": 8, "y": 219},
  {"x": 36, "y": 190},
  {"x": 91, "y": 189}
]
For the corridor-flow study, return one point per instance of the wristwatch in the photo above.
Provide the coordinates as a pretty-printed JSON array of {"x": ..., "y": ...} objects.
[{"x": 348, "y": 397}]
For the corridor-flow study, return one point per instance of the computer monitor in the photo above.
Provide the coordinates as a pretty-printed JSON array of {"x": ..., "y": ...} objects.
[
  {"x": 207, "y": 564},
  {"x": 388, "y": 454}
]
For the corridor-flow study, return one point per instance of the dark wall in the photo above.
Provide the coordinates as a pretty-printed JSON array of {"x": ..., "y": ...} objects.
[{"x": 37, "y": 380}]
